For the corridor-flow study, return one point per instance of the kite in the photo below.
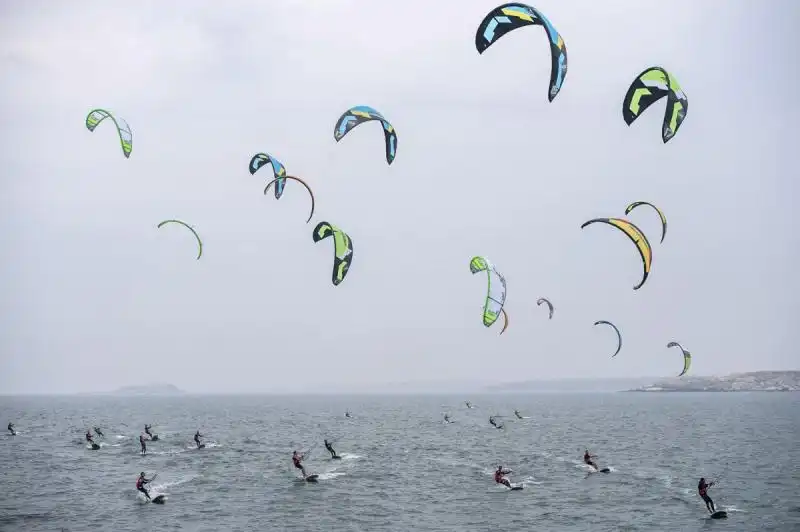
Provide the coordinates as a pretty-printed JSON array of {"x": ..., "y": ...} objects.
[
  {"x": 687, "y": 357},
  {"x": 96, "y": 116},
  {"x": 190, "y": 228},
  {"x": 278, "y": 180},
  {"x": 550, "y": 305},
  {"x": 509, "y": 17},
  {"x": 278, "y": 170},
  {"x": 495, "y": 290},
  {"x": 505, "y": 322},
  {"x": 635, "y": 204},
  {"x": 649, "y": 87},
  {"x": 360, "y": 114},
  {"x": 638, "y": 238},
  {"x": 619, "y": 336},
  {"x": 342, "y": 249}
]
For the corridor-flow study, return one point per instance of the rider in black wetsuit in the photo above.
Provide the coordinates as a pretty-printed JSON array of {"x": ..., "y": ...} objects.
[
  {"x": 99, "y": 432},
  {"x": 587, "y": 459},
  {"x": 702, "y": 488},
  {"x": 140, "y": 482},
  {"x": 147, "y": 430},
  {"x": 197, "y": 437},
  {"x": 329, "y": 447},
  {"x": 11, "y": 429},
  {"x": 297, "y": 460}
]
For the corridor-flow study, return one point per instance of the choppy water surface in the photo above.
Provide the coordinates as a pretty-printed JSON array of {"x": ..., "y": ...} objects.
[{"x": 403, "y": 469}]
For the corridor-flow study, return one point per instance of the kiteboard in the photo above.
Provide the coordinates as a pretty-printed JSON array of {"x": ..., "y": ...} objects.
[
  {"x": 154, "y": 437},
  {"x": 201, "y": 446},
  {"x": 312, "y": 478},
  {"x": 336, "y": 457},
  {"x": 721, "y": 514},
  {"x": 159, "y": 499},
  {"x": 95, "y": 447},
  {"x": 517, "y": 487},
  {"x": 605, "y": 470}
]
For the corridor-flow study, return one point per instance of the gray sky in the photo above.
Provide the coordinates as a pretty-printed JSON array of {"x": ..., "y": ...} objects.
[{"x": 95, "y": 297}]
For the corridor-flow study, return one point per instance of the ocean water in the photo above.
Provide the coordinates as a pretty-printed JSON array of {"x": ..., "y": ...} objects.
[{"x": 403, "y": 469}]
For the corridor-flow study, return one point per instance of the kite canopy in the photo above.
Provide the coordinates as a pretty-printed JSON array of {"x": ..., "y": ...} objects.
[
  {"x": 278, "y": 170},
  {"x": 123, "y": 129},
  {"x": 550, "y": 305},
  {"x": 619, "y": 336},
  {"x": 650, "y": 86},
  {"x": 363, "y": 113},
  {"x": 495, "y": 290},
  {"x": 508, "y": 17},
  {"x": 190, "y": 228},
  {"x": 342, "y": 249},
  {"x": 638, "y": 238},
  {"x": 635, "y": 204},
  {"x": 278, "y": 180},
  {"x": 687, "y": 357}
]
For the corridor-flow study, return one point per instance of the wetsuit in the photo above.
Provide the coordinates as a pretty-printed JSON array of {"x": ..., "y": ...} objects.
[
  {"x": 297, "y": 461},
  {"x": 329, "y": 447},
  {"x": 516, "y": 413},
  {"x": 141, "y": 442},
  {"x": 147, "y": 431},
  {"x": 702, "y": 488},
  {"x": 140, "y": 482},
  {"x": 11, "y": 429},
  {"x": 446, "y": 418},
  {"x": 499, "y": 477},
  {"x": 197, "y": 437},
  {"x": 587, "y": 459},
  {"x": 99, "y": 432},
  {"x": 89, "y": 437}
]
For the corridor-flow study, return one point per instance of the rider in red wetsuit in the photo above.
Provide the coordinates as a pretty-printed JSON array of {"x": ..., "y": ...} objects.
[
  {"x": 499, "y": 476},
  {"x": 140, "y": 482},
  {"x": 702, "y": 487},
  {"x": 297, "y": 460},
  {"x": 587, "y": 459}
]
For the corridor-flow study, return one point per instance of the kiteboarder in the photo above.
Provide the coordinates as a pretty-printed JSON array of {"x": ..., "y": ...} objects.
[
  {"x": 516, "y": 413},
  {"x": 99, "y": 432},
  {"x": 347, "y": 414},
  {"x": 297, "y": 460},
  {"x": 142, "y": 443},
  {"x": 147, "y": 430},
  {"x": 702, "y": 488},
  {"x": 89, "y": 436},
  {"x": 141, "y": 481},
  {"x": 197, "y": 437},
  {"x": 499, "y": 476},
  {"x": 494, "y": 423},
  {"x": 11, "y": 429},
  {"x": 587, "y": 459},
  {"x": 447, "y": 418},
  {"x": 469, "y": 405},
  {"x": 329, "y": 447}
]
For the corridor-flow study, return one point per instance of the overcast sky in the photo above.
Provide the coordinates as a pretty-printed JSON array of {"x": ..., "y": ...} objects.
[{"x": 95, "y": 297}]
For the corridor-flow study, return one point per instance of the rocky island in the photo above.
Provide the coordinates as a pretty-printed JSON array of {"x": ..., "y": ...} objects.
[
  {"x": 755, "y": 381},
  {"x": 149, "y": 389}
]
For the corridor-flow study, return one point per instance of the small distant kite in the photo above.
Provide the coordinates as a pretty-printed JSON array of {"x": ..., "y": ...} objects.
[
  {"x": 635, "y": 204},
  {"x": 638, "y": 238},
  {"x": 687, "y": 357},
  {"x": 360, "y": 114},
  {"x": 549, "y": 305},
  {"x": 619, "y": 336},
  {"x": 508, "y": 17},
  {"x": 650, "y": 86},
  {"x": 190, "y": 228},
  {"x": 342, "y": 249},
  {"x": 278, "y": 170},
  {"x": 123, "y": 129},
  {"x": 308, "y": 188}
]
